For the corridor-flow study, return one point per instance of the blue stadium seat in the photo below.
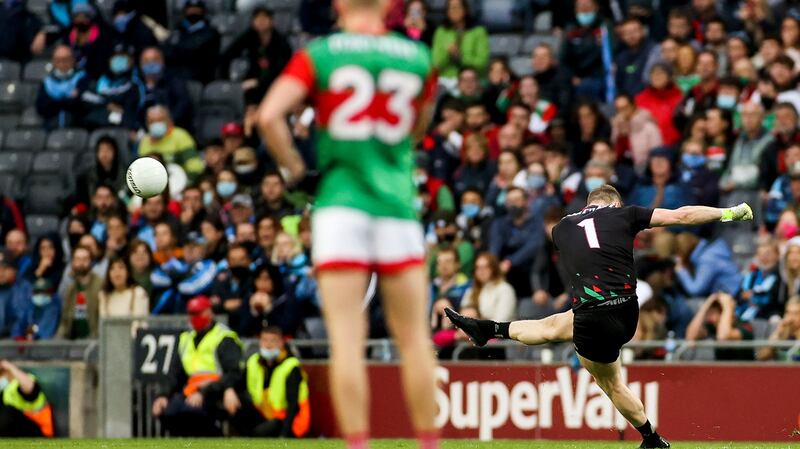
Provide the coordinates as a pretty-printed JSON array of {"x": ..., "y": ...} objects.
[
  {"x": 224, "y": 93},
  {"x": 40, "y": 225},
  {"x": 9, "y": 70},
  {"x": 67, "y": 139},
  {"x": 17, "y": 163},
  {"x": 30, "y": 119},
  {"x": 36, "y": 70},
  {"x": 25, "y": 140}
]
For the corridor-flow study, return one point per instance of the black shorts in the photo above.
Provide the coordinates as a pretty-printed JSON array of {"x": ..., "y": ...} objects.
[{"x": 600, "y": 332}]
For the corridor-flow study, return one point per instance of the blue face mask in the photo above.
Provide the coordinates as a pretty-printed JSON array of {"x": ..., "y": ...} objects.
[
  {"x": 693, "y": 160},
  {"x": 152, "y": 68},
  {"x": 586, "y": 18},
  {"x": 470, "y": 210},
  {"x": 226, "y": 188},
  {"x": 726, "y": 101},
  {"x": 208, "y": 198},
  {"x": 536, "y": 182},
  {"x": 158, "y": 129},
  {"x": 594, "y": 183},
  {"x": 41, "y": 299},
  {"x": 418, "y": 205},
  {"x": 119, "y": 64},
  {"x": 269, "y": 354},
  {"x": 3, "y": 383},
  {"x": 121, "y": 22}
]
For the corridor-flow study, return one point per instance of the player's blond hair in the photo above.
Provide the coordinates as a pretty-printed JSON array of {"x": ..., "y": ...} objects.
[
  {"x": 604, "y": 195},
  {"x": 363, "y": 3}
]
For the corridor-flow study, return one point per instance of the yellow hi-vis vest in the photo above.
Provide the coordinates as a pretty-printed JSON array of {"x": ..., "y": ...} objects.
[
  {"x": 38, "y": 410},
  {"x": 200, "y": 363},
  {"x": 272, "y": 401}
]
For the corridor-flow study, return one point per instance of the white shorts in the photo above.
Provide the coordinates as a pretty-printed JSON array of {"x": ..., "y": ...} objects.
[{"x": 346, "y": 238}]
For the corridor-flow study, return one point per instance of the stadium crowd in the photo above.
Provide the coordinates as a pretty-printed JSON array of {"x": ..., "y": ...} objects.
[{"x": 687, "y": 102}]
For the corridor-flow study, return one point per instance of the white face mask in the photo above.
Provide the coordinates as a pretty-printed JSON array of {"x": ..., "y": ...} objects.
[
  {"x": 269, "y": 354},
  {"x": 3, "y": 383}
]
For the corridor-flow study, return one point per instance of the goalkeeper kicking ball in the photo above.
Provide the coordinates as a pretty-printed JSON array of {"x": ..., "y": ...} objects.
[{"x": 146, "y": 177}]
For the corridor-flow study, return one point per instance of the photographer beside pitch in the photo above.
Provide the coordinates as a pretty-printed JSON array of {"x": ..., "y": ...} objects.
[{"x": 596, "y": 246}]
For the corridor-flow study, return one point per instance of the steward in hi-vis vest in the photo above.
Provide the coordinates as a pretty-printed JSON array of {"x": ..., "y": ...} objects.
[
  {"x": 207, "y": 362},
  {"x": 24, "y": 410},
  {"x": 272, "y": 398}
]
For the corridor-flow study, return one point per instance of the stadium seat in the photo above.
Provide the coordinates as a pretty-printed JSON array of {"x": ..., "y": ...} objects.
[
  {"x": 299, "y": 40},
  {"x": 534, "y": 41},
  {"x": 282, "y": 5},
  {"x": 226, "y": 24},
  {"x": 53, "y": 162},
  {"x": 40, "y": 225},
  {"x": 36, "y": 70},
  {"x": 12, "y": 96},
  {"x": 286, "y": 22},
  {"x": 30, "y": 119},
  {"x": 9, "y": 70},
  {"x": 106, "y": 8},
  {"x": 195, "y": 89},
  {"x": 67, "y": 139},
  {"x": 224, "y": 93},
  {"x": 209, "y": 121},
  {"x": 761, "y": 329},
  {"x": 521, "y": 65},
  {"x": 25, "y": 140},
  {"x": 238, "y": 69},
  {"x": 8, "y": 185},
  {"x": 39, "y": 7},
  {"x": 120, "y": 135},
  {"x": 498, "y": 15},
  {"x": 16, "y": 163},
  {"x": 505, "y": 44},
  {"x": 543, "y": 23},
  {"x": 46, "y": 194},
  {"x": 9, "y": 121}
]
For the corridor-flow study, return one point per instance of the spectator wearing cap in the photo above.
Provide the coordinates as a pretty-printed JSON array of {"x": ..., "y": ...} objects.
[
  {"x": 785, "y": 191},
  {"x": 173, "y": 143},
  {"x": 81, "y": 311},
  {"x": 91, "y": 40},
  {"x": 161, "y": 87},
  {"x": 660, "y": 98},
  {"x": 183, "y": 277},
  {"x": 22, "y": 35},
  {"x": 271, "y": 197},
  {"x": 459, "y": 43},
  {"x": 632, "y": 58},
  {"x": 121, "y": 296},
  {"x": 58, "y": 101},
  {"x": 193, "y": 46},
  {"x": 515, "y": 240},
  {"x": 132, "y": 30},
  {"x": 267, "y": 52},
  {"x": 16, "y": 243},
  {"x": 116, "y": 97},
  {"x": 232, "y": 135},
  {"x": 660, "y": 186},
  {"x": 39, "y": 314},
  {"x": 702, "y": 183},
  {"x": 633, "y": 132},
  {"x": 14, "y": 293},
  {"x": 744, "y": 165}
]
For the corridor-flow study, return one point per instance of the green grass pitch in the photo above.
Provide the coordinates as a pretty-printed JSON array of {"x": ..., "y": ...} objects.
[{"x": 376, "y": 444}]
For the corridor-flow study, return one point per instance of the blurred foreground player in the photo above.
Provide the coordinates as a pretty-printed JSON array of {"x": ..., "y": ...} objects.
[
  {"x": 370, "y": 89},
  {"x": 596, "y": 246}
]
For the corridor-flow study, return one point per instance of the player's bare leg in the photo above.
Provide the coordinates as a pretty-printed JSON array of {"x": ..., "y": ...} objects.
[
  {"x": 555, "y": 328},
  {"x": 609, "y": 378},
  {"x": 342, "y": 304},
  {"x": 404, "y": 298}
]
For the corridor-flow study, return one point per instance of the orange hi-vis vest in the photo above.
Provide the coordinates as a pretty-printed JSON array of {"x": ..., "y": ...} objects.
[
  {"x": 272, "y": 401},
  {"x": 38, "y": 410}
]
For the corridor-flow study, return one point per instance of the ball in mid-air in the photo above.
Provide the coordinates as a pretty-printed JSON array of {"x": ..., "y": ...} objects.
[{"x": 146, "y": 177}]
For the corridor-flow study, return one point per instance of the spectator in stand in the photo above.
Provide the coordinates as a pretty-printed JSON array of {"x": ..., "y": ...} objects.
[
  {"x": 16, "y": 244},
  {"x": 234, "y": 285},
  {"x": 541, "y": 194},
  {"x": 515, "y": 240},
  {"x": 166, "y": 243},
  {"x": 99, "y": 259},
  {"x": 171, "y": 142},
  {"x": 542, "y": 111},
  {"x": 247, "y": 168},
  {"x": 587, "y": 124},
  {"x": 686, "y": 76},
  {"x": 660, "y": 187},
  {"x": 761, "y": 284},
  {"x": 192, "y": 211},
  {"x": 267, "y": 52},
  {"x": 22, "y": 36},
  {"x": 790, "y": 37},
  {"x": 48, "y": 260},
  {"x": 14, "y": 293},
  {"x": 104, "y": 204},
  {"x": 623, "y": 177},
  {"x": 743, "y": 170},
  {"x": 716, "y": 319},
  {"x": 161, "y": 87},
  {"x": 788, "y": 329},
  {"x": 631, "y": 60},
  {"x": 59, "y": 99},
  {"x": 548, "y": 276},
  {"x": 474, "y": 220},
  {"x": 702, "y": 96},
  {"x": 448, "y": 286},
  {"x": 295, "y": 267},
  {"x": 490, "y": 295},
  {"x": 317, "y": 17},
  {"x": 595, "y": 174},
  {"x": 215, "y": 158},
  {"x": 121, "y": 296},
  {"x": 459, "y": 43},
  {"x": 154, "y": 211},
  {"x": 783, "y": 76},
  {"x": 585, "y": 43},
  {"x": 39, "y": 314},
  {"x": 790, "y": 265},
  {"x": 267, "y": 228},
  {"x": 214, "y": 234},
  {"x": 116, "y": 235},
  {"x": 702, "y": 184},
  {"x": 446, "y": 236},
  {"x": 660, "y": 98},
  {"x": 232, "y": 135},
  {"x": 91, "y": 40},
  {"x": 140, "y": 261},
  {"x": 720, "y": 138},
  {"x": 193, "y": 46},
  {"x": 80, "y": 314},
  {"x": 416, "y": 25},
  {"x": 183, "y": 276},
  {"x": 468, "y": 87},
  {"x": 554, "y": 82},
  {"x": 444, "y": 141},
  {"x": 478, "y": 121},
  {"x": 132, "y": 30},
  {"x": 270, "y": 304},
  {"x": 705, "y": 266},
  {"x": 60, "y": 13},
  {"x": 785, "y": 191},
  {"x": 117, "y": 96},
  {"x": 477, "y": 170},
  {"x": 633, "y": 132},
  {"x": 108, "y": 170},
  {"x": 786, "y": 132}
]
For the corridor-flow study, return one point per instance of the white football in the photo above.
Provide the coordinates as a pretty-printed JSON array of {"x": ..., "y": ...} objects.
[{"x": 146, "y": 177}]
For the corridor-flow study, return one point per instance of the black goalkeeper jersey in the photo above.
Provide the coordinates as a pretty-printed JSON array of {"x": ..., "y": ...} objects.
[{"x": 596, "y": 250}]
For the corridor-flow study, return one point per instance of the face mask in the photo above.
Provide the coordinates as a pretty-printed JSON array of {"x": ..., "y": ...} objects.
[
  {"x": 121, "y": 22},
  {"x": 208, "y": 198},
  {"x": 41, "y": 299},
  {"x": 586, "y": 18},
  {"x": 269, "y": 354},
  {"x": 516, "y": 211},
  {"x": 199, "y": 322},
  {"x": 152, "y": 68},
  {"x": 245, "y": 169},
  {"x": 63, "y": 75},
  {"x": 470, "y": 210},
  {"x": 226, "y": 188},
  {"x": 726, "y": 101},
  {"x": 3, "y": 383},
  {"x": 594, "y": 183},
  {"x": 693, "y": 160},
  {"x": 418, "y": 204},
  {"x": 82, "y": 27},
  {"x": 536, "y": 182},
  {"x": 194, "y": 18},
  {"x": 158, "y": 129},
  {"x": 420, "y": 180},
  {"x": 119, "y": 64},
  {"x": 240, "y": 272}
]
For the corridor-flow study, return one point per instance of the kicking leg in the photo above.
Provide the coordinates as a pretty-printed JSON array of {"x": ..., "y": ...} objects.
[{"x": 552, "y": 329}]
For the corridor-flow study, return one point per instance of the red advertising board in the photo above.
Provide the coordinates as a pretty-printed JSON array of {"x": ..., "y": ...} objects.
[{"x": 686, "y": 402}]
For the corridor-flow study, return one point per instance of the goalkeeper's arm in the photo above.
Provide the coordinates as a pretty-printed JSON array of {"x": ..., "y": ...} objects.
[{"x": 697, "y": 215}]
